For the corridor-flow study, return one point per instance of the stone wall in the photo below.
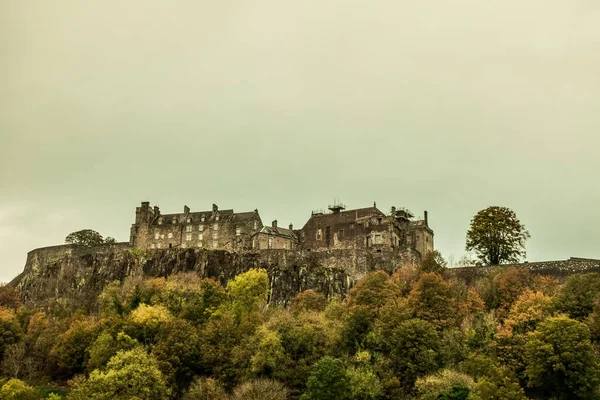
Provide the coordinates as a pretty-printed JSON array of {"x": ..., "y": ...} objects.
[{"x": 559, "y": 269}]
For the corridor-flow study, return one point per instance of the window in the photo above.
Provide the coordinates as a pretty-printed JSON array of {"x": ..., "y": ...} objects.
[
  {"x": 188, "y": 237},
  {"x": 200, "y": 237},
  {"x": 216, "y": 227},
  {"x": 162, "y": 236},
  {"x": 202, "y": 219},
  {"x": 270, "y": 242},
  {"x": 188, "y": 228},
  {"x": 160, "y": 221},
  {"x": 238, "y": 231},
  {"x": 152, "y": 246},
  {"x": 158, "y": 246},
  {"x": 189, "y": 220},
  {"x": 215, "y": 235},
  {"x": 156, "y": 236},
  {"x": 201, "y": 228},
  {"x": 340, "y": 234},
  {"x": 199, "y": 244},
  {"x": 255, "y": 225},
  {"x": 215, "y": 244},
  {"x": 170, "y": 235},
  {"x": 216, "y": 217},
  {"x": 174, "y": 221},
  {"x": 377, "y": 239},
  {"x": 319, "y": 234}
]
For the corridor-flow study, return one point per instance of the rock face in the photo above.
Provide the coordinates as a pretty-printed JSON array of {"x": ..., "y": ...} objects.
[{"x": 73, "y": 276}]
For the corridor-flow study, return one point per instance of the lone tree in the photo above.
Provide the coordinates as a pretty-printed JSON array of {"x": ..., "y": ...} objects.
[
  {"x": 497, "y": 236},
  {"x": 87, "y": 237}
]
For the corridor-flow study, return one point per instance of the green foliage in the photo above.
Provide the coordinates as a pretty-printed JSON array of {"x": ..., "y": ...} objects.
[
  {"x": 561, "y": 361},
  {"x": 85, "y": 237},
  {"x": 446, "y": 384},
  {"x": 70, "y": 352},
  {"x": 309, "y": 300},
  {"x": 414, "y": 350},
  {"x": 270, "y": 355},
  {"x": 110, "y": 240},
  {"x": 373, "y": 291},
  {"x": 177, "y": 349},
  {"x": 10, "y": 330},
  {"x": 329, "y": 381},
  {"x": 431, "y": 300},
  {"x": 411, "y": 335},
  {"x": 577, "y": 296},
  {"x": 364, "y": 383},
  {"x": 249, "y": 292},
  {"x": 131, "y": 374},
  {"x": 146, "y": 322},
  {"x": 105, "y": 347},
  {"x": 433, "y": 262},
  {"x": 16, "y": 389},
  {"x": 497, "y": 236}
]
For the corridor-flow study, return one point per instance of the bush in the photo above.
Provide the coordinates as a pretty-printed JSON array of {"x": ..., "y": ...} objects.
[
  {"x": 205, "y": 389},
  {"x": 16, "y": 389},
  {"x": 260, "y": 389}
]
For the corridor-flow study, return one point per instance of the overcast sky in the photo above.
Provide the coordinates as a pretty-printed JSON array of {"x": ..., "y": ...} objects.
[{"x": 448, "y": 106}]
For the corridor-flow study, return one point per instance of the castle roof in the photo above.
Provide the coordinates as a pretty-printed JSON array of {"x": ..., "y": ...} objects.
[
  {"x": 346, "y": 216},
  {"x": 209, "y": 216},
  {"x": 276, "y": 231}
]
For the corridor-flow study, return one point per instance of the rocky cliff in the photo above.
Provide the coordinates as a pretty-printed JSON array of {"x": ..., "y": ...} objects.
[{"x": 73, "y": 276}]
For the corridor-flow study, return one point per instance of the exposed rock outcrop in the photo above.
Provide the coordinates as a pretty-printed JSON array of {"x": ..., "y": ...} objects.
[{"x": 75, "y": 275}]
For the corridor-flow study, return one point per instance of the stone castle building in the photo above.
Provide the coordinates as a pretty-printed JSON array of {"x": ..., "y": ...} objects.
[{"x": 360, "y": 229}]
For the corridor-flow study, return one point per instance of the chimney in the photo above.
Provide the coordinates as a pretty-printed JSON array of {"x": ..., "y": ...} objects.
[
  {"x": 186, "y": 210},
  {"x": 156, "y": 211},
  {"x": 145, "y": 205},
  {"x": 291, "y": 227},
  {"x": 393, "y": 211},
  {"x": 215, "y": 208},
  {"x": 426, "y": 218},
  {"x": 274, "y": 224}
]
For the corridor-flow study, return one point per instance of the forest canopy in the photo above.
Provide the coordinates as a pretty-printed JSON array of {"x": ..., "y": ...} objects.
[{"x": 419, "y": 333}]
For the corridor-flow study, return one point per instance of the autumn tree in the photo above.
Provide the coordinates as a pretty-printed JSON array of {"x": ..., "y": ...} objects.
[
  {"x": 497, "y": 236},
  {"x": 131, "y": 374},
  {"x": 431, "y": 300},
  {"x": 433, "y": 262}
]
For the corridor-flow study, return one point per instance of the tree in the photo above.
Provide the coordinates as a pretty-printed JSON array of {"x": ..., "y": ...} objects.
[
  {"x": 16, "y": 389},
  {"x": 497, "y": 236},
  {"x": 433, "y": 262},
  {"x": 431, "y": 300},
  {"x": 329, "y": 381},
  {"x": 110, "y": 240},
  {"x": 560, "y": 360},
  {"x": 577, "y": 296},
  {"x": 85, "y": 237},
  {"x": 131, "y": 374},
  {"x": 414, "y": 350}
]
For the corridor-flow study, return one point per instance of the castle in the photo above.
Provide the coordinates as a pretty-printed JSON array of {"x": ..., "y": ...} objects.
[{"x": 366, "y": 229}]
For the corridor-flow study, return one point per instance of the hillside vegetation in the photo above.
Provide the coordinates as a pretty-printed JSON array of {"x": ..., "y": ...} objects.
[{"x": 411, "y": 335}]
